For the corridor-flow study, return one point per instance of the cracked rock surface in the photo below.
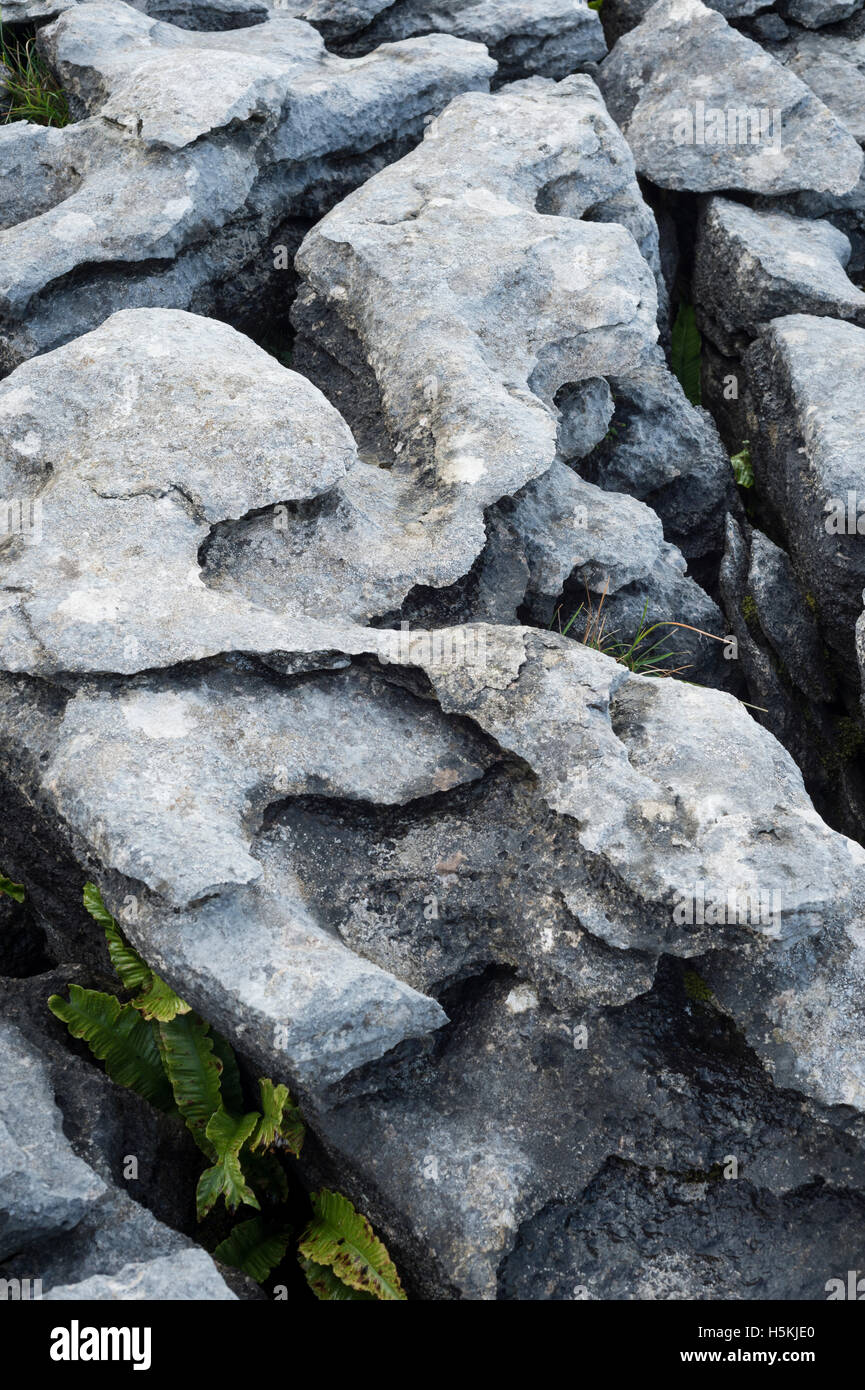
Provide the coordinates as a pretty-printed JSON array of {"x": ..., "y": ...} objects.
[
  {"x": 195, "y": 156},
  {"x": 549, "y": 37},
  {"x": 396, "y": 698},
  {"x": 683, "y": 54}
]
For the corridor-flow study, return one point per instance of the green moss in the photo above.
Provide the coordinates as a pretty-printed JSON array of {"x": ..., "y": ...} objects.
[
  {"x": 749, "y": 610},
  {"x": 696, "y": 988},
  {"x": 811, "y": 602},
  {"x": 851, "y": 738}
]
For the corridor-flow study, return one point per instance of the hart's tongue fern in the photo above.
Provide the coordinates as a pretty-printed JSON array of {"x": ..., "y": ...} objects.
[{"x": 157, "y": 1045}]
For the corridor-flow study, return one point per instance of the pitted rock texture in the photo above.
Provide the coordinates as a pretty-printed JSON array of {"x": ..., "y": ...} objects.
[
  {"x": 61, "y": 1223},
  {"x": 187, "y": 14},
  {"x": 197, "y": 157},
  {"x": 751, "y": 267},
  {"x": 781, "y": 649},
  {"x": 623, "y": 15},
  {"x": 46, "y": 1188},
  {"x": 661, "y": 817},
  {"x": 488, "y": 1155},
  {"x": 291, "y": 658},
  {"x": 679, "y": 86},
  {"x": 118, "y": 585},
  {"x": 551, "y": 38},
  {"x": 806, "y": 375},
  {"x": 666, "y": 452},
  {"x": 833, "y": 66}
]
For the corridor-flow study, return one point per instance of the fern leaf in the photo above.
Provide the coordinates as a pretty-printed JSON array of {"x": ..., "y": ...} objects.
[
  {"x": 96, "y": 907},
  {"x": 280, "y": 1118},
  {"x": 193, "y": 1070},
  {"x": 686, "y": 348},
  {"x": 12, "y": 890},
  {"x": 225, "y": 1178},
  {"x": 339, "y": 1237},
  {"x": 326, "y": 1286},
  {"x": 133, "y": 971},
  {"x": 157, "y": 1000},
  {"x": 230, "y": 1084},
  {"x": 160, "y": 1002},
  {"x": 742, "y": 467},
  {"x": 251, "y": 1249},
  {"x": 118, "y": 1035}
]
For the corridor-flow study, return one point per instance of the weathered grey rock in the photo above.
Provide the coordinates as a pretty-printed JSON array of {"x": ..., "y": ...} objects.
[
  {"x": 181, "y": 1276},
  {"x": 402, "y": 870},
  {"x": 833, "y": 66},
  {"x": 415, "y": 893},
  {"x": 145, "y": 552},
  {"x": 495, "y": 1137},
  {"x": 813, "y": 14},
  {"x": 467, "y": 417},
  {"x": 188, "y": 14},
  {"x": 206, "y": 14},
  {"x": 661, "y": 740},
  {"x": 604, "y": 552},
  {"x": 119, "y": 1251},
  {"x": 30, "y": 11},
  {"x": 639, "y": 1234},
  {"x": 611, "y": 795},
  {"x": 201, "y": 154},
  {"x": 62, "y": 1222},
  {"x": 847, "y": 213},
  {"x": 620, "y": 16},
  {"x": 652, "y": 773},
  {"x": 688, "y": 92},
  {"x": 291, "y": 987},
  {"x": 460, "y": 419},
  {"x": 46, "y": 1189},
  {"x": 792, "y": 687},
  {"x": 750, "y": 267},
  {"x": 549, "y": 37},
  {"x": 786, "y": 618},
  {"x": 128, "y": 440},
  {"x": 667, "y": 453},
  {"x": 187, "y": 734},
  {"x": 805, "y": 378}
]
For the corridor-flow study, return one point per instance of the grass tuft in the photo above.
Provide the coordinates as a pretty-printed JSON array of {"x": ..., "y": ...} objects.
[
  {"x": 29, "y": 91},
  {"x": 643, "y": 659}
]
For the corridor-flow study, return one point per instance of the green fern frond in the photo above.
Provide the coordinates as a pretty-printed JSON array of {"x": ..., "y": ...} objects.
[
  {"x": 225, "y": 1178},
  {"x": 743, "y": 470},
  {"x": 92, "y": 896},
  {"x": 230, "y": 1084},
  {"x": 157, "y": 999},
  {"x": 118, "y": 1035},
  {"x": 280, "y": 1118},
  {"x": 251, "y": 1249},
  {"x": 326, "y": 1286},
  {"x": 343, "y": 1240},
  {"x": 133, "y": 971},
  {"x": 193, "y": 1071},
  {"x": 159, "y": 1002},
  {"x": 12, "y": 890}
]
